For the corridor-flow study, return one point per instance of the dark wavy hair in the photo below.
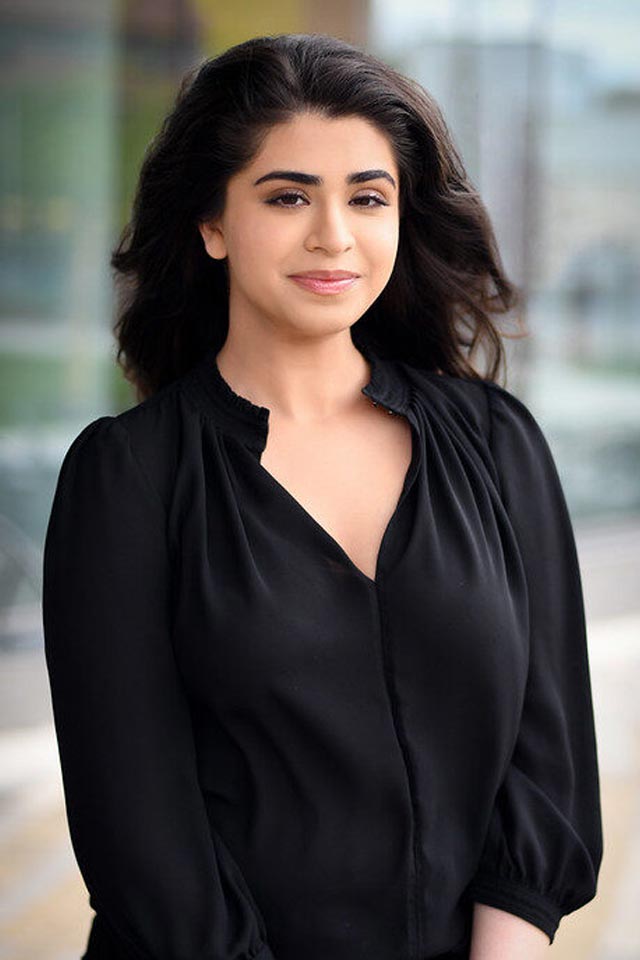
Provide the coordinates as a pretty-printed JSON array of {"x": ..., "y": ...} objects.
[{"x": 448, "y": 280}]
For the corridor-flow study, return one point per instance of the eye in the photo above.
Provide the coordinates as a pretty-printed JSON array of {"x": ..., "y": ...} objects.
[
  {"x": 285, "y": 197},
  {"x": 275, "y": 201},
  {"x": 372, "y": 196}
]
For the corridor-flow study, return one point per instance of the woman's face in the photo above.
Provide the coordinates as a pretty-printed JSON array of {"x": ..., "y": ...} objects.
[{"x": 273, "y": 227}]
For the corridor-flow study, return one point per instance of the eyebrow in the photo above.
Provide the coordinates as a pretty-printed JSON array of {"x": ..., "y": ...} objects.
[{"x": 314, "y": 180}]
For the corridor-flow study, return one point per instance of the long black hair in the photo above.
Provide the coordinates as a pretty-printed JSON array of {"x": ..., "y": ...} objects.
[{"x": 447, "y": 282}]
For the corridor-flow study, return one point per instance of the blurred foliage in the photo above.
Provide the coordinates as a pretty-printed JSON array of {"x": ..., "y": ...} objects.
[
  {"x": 28, "y": 383},
  {"x": 36, "y": 389}
]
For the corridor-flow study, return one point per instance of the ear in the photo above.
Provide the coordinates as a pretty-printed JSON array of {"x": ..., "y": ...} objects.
[{"x": 213, "y": 239}]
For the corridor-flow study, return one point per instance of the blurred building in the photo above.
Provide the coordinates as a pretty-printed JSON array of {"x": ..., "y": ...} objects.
[{"x": 555, "y": 153}]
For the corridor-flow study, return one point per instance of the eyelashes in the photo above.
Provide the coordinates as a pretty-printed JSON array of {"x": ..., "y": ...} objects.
[{"x": 275, "y": 201}]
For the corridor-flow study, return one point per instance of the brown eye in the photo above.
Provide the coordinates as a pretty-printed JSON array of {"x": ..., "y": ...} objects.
[
  {"x": 275, "y": 201},
  {"x": 283, "y": 200},
  {"x": 372, "y": 196}
]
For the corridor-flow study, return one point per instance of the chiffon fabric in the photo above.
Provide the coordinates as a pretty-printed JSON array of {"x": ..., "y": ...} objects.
[{"x": 269, "y": 755}]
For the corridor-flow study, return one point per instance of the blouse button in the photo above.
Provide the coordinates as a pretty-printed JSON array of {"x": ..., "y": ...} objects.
[{"x": 375, "y": 404}]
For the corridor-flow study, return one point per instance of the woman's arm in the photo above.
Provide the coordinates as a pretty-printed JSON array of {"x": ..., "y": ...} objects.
[
  {"x": 498, "y": 935},
  {"x": 543, "y": 844},
  {"x": 162, "y": 880}
]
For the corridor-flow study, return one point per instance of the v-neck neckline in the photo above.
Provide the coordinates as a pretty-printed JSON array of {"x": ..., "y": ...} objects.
[
  {"x": 248, "y": 423},
  {"x": 329, "y": 538}
]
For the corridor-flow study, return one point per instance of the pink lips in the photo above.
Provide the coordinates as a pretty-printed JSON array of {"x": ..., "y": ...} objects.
[{"x": 325, "y": 281}]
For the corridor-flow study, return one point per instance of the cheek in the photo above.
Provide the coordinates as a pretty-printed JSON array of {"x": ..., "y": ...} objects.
[
  {"x": 252, "y": 250},
  {"x": 382, "y": 247}
]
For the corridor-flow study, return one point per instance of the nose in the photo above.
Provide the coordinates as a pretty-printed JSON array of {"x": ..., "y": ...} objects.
[{"x": 330, "y": 229}]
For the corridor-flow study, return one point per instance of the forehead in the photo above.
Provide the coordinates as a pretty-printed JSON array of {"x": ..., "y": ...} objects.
[{"x": 333, "y": 142}]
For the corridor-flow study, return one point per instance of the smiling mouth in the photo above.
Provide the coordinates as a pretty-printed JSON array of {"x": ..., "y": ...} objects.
[
  {"x": 324, "y": 285},
  {"x": 326, "y": 274}
]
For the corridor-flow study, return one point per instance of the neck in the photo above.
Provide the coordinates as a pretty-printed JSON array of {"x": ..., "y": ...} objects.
[{"x": 305, "y": 380}]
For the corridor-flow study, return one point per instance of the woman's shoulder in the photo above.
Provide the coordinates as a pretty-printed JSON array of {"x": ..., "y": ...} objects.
[
  {"x": 482, "y": 403},
  {"x": 451, "y": 398},
  {"x": 145, "y": 437}
]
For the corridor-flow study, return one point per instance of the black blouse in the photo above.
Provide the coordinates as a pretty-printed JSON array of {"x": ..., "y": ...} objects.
[{"x": 268, "y": 754}]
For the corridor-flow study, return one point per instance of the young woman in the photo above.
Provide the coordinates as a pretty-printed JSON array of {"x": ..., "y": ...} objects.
[{"x": 313, "y": 613}]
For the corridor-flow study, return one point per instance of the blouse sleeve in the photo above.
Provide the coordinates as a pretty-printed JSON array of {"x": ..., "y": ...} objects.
[
  {"x": 160, "y": 879},
  {"x": 543, "y": 846}
]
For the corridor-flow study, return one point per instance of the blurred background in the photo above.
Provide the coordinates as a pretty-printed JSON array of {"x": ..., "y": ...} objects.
[{"x": 543, "y": 99}]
